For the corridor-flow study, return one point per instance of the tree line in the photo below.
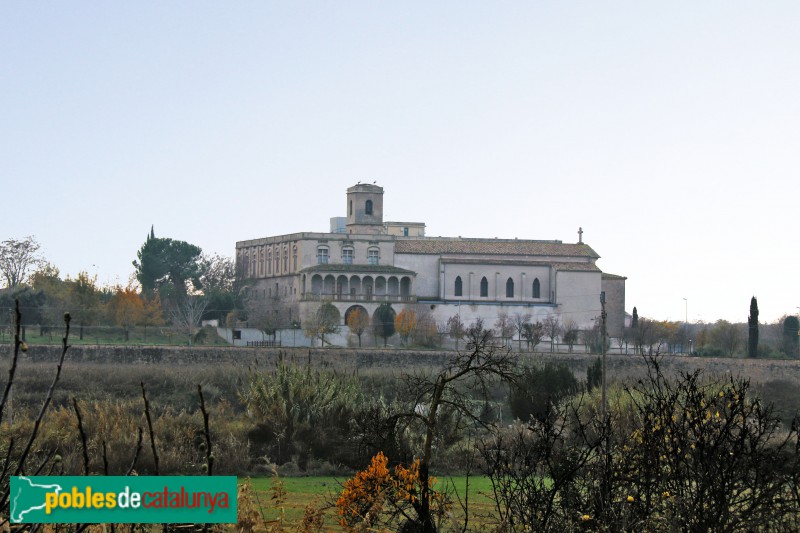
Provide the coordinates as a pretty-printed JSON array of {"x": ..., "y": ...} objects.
[
  {"x": 175, "y": 284},
  {"x": 718, "y": 339}
]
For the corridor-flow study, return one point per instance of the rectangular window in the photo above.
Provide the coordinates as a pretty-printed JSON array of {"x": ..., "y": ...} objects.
[
  {"x": 322, "y": 256},
  {"x": 372, "y": 257},
  {"x": 347, "y": 256}
]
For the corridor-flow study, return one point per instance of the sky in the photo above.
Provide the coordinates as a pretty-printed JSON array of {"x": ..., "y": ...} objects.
[{"x": 669, "y": 131}]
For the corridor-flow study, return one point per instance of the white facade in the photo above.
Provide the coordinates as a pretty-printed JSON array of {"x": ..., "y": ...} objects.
[{"x": 474, "y": 278}]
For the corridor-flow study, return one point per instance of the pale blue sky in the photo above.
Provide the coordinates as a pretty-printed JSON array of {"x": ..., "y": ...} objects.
[{"x": 668, "y": 131}]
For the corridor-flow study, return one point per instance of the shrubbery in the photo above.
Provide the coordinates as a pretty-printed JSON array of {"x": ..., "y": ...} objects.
[
  {"x": 539, "y": 388},
  {"x": 300, "y": 412},
  {"x": 692, "y": 455},
  {"x": 673, "y": 454}
]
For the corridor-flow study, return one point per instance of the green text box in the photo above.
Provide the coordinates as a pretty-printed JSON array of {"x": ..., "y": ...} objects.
[{"x": 123, "y": 499}]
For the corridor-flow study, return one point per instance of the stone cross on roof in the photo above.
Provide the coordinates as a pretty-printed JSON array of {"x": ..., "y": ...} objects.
[{"x": 580, "y": 235}]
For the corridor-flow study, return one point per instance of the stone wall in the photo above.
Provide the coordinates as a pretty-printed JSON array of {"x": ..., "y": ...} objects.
[{"x": 619, "y": 366}]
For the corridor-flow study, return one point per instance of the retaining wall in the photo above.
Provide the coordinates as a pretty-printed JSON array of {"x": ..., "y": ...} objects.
[{"x": 619, "y": 366}]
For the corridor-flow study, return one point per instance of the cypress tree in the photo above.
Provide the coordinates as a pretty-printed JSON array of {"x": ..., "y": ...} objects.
[
  {"x": 635, "y": 319},
  {"x": 791, "y": 342},
  {"x": 752, "y": 322},
  {"x": 383, "y": 321}
]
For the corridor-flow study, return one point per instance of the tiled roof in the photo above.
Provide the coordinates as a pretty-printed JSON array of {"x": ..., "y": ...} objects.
[
  {"x": 576, "y": 267},
  {"x": 606, "y": 275},
  {"x": 338, "y": 267},
  {"x": 492, "y": 246}
]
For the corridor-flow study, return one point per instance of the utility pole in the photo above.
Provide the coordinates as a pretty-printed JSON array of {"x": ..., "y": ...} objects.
[
  {"x": 16, "y": 320},
  {"x": 603, "y": 341},
  {"x": 605, "y": 486}
]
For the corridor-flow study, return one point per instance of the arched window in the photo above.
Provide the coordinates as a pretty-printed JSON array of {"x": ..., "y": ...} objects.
[
  {"x": 510, "y": 288},
  {"x": 269, "y": 260},
  {"x": 536, "y": 289},
  {"x": 285, "y": 258},
  {"x": 351, "y": 207},
  {"x": 459, "y": 287},
  {"x": 484, "y": 287},
  {"x": 294, "y": 257},
  {"x": 368, "y": 207}
]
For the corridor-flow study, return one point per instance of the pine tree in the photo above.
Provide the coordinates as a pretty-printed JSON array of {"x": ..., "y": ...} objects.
[{"x": 752, "y": 322}]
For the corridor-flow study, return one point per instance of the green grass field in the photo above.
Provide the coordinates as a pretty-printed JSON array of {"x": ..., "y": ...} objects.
[
  {"x": 138, "y": 336},
  {"x": 321, "y": 492}
]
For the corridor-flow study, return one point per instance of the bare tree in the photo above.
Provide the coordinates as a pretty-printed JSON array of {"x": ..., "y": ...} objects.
[
  {"x": 628, "y": 337},
  {"x": 504, "y": 326},
  {"x": 455, "y": 328},
  {"x": 520, "y": 321},
  {"x": 426, "y": 333},
  {"x": 622, "y": 342},
  {"x": 592, "y": 338},
  {"x": 652, "y": 335},
  {"x": 186, "y": 315},
  {"x": 322, "y": 321},
  {"x": 552, "y": 328},
  {"x": 570, "y": 332},
  {"x": 17, "y": 259},
  {"x": 268, "y": 315},
  {"x": 432, "y": 395},
  {"x": 533, "y": 334}
]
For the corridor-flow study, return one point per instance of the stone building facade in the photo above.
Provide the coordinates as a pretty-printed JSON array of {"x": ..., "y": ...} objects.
[{"x": 376, "y": 261}]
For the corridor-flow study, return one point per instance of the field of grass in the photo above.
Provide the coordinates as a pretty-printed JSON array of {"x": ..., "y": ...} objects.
[
  {"x": 321, "y": 493},
  {"x": 109, "y": 335}
]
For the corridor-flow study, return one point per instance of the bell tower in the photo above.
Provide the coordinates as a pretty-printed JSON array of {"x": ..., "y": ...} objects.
[{"x": 365, "y": 209}]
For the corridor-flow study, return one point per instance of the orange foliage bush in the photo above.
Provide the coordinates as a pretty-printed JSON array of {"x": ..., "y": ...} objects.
[{"x": 377, "y": 495}]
